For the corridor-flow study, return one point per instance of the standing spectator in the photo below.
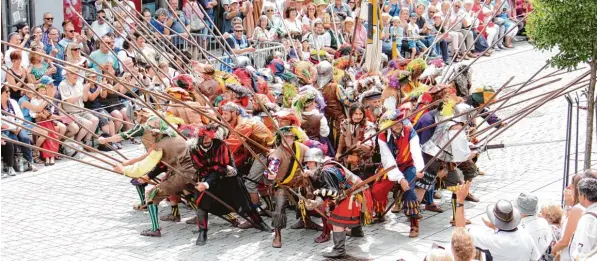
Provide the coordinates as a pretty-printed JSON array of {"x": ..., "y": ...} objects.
[
  {"x": 103, "y": 56},
  {"x": 39, "y": 67},
  {"x": 90, "y": 40},
  {"x": 234, "y": 11},
  {"x": 570, "y": 222},
  {"x": 16, "y": 39},
  {"x": 177, "y": 25},
  {"x": 13, "y": 132},
  {"x": 537, "y": 227},
  {"x": 553, "y": 214},
  {"x": 239, "y": 42},
  {"x": 392, "y": 7},
  {"x": 46, "y": 26},
  {"x": 16, "y": 71},
  {"x": 339, "y": 8},
  {"x": 145, "y": 21},
  {"x": 439, "y": 30},
  {"x": 71, "y": 91},
  {"x": 320, "y": 39},
  {"x": 23, "y": 30},
  {"x": 208, "y": 6},
  {"x": 585, "y": 236},
  {"x": 100, "y": 26}
]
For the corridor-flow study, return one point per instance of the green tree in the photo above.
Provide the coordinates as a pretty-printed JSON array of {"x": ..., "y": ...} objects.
[{"x": 571, "y": 27}]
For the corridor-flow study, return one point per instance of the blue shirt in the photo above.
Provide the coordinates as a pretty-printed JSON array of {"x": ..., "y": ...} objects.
[
  {"x": 25, "y": 111},
  {"x": 425, "y": 120},
  {"x": 158, "y": 27}
]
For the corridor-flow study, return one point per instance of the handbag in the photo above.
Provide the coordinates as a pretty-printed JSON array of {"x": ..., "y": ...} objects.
[{"x": 197, "y": 23}]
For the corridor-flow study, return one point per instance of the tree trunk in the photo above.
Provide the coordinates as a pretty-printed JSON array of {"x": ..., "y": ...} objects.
[{"x": 590, "y": 115}]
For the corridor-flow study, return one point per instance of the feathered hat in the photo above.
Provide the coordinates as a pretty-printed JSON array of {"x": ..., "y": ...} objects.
[
  {"x": 288, "y": 115},
  {"x": 184, "y": 81},
  {"x": 389, "y": 118},
  {"x": 297, "y": 132}
]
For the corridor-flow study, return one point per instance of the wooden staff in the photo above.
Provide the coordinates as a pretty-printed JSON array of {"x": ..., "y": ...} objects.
[
  {"x": 539, "y": 103},
  {"x": 68, "y": 115},
  {"x": 478, "y": 133},
  {"x": 62, "y": 155},
  {"x": 387, "y": 128},
  {"x": 474, "y": 109},
  {"x": 517, "y": 90},
  {"x": 61, "y": 101}
]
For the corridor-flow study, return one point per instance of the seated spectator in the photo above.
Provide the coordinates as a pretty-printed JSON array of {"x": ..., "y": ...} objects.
[
  {"x": 308, "y": 18},
  {"x": 439, "y": 30},
  {"x": 262, "y": 33},
  {"x": 23, "y": 31},
  {"x": 415, "y": 42},
  {"x": 462, "y": 245},
  {"x": 293, "y": 24},
  {"x": 35, "y": 39},
  {"x": 537, "y": 227},
  {"x": 39, "y": 67},
  {"x": 15, "y": 39},
  {"x": 120, "y": 34},
  {"x": 73, "y": 56},
  {"x": 439, "y": 254},
  {"x": 585, "y": 236},
  {"x": 46, "y": 26},
  {"x": 29, "y": 110},
  {"x": 43, "y": 113},
  {"x": 17, "y": 76},
  {"x": 553, "y": 214},
  {"x": 13, "y": 132},
  {"x": 320, "y": 39},
  {"x": 239, "y": 43},
  {"x": 58, "y": 125},
  {"x": 8, "y": 155},
  {"x": 70, "y": 36},
  {"x": 103, "y": 56},
  {"x": 71, "y": 92},
  {"x": 52, "y": 50},
  {"x": 504, "y": 241},
  {"x": 91, "y": 100},
  {"x": 275, "y": 23},
  {"x": 100, "y": 26}
]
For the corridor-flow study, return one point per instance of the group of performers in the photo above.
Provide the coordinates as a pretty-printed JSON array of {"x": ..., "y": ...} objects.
[{"x": 322, "y": 140}]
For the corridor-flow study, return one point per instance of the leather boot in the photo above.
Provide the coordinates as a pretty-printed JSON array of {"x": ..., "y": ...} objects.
[
  {"x": 202, "y": 224},
  {"x": 325, "y": 234},
  {"x": 357, "y": 232},
  {"x": 339, "y": 249},
  {"x": 277, "y": 242},
  {"x": 414, "y": 228}
]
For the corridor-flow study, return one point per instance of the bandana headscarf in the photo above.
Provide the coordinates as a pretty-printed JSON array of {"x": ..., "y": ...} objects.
[
  {"x": 184, "y": 81},
  {"x": 389, "y": 118}
]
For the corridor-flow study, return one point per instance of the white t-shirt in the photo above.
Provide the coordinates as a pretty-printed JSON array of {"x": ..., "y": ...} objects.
[
  {"x": 100, "y": 29},
  {"x": 296, "y": 26},
  {"x": 540, "y": 231},
  {"x": 320, "y": 41},
  {"x": 585, "y": 236},
  {"x": 506, "y": 246}
]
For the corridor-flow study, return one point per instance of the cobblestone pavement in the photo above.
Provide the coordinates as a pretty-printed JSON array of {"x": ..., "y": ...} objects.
[{"x": 71, "y": 211}]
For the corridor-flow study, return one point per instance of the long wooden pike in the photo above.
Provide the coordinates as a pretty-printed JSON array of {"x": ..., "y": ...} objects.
[
  {"x": 538, "y": 104},
  {"x": 57, "y": 153},
  {"x": 474, "y": 109},
  {"x": 298, "y": 195},
  {"x": 57, "y": 140},
  {"x": 59, "y": 135},
  {"x": 65, "y": 113},
  {"x": 478, "y": 133},
  {"x": 478, "y": 111}
]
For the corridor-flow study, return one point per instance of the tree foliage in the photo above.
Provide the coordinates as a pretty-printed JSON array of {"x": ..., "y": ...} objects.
[{"x": 569, "y": 25}]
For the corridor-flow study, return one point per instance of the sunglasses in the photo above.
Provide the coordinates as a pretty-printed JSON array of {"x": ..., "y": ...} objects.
[
  {"x": 49, "y": 18},
  {"x": 269, "y": 11},
  {"x": 71, "y": 31},
  {"x": 76, "y": 49},
  {"x": 432, "y": 12},
  {"x": 238, "y": 31}
]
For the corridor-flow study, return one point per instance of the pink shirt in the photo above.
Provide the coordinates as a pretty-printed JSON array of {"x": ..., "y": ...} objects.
[{"x": 361, "y": 37}]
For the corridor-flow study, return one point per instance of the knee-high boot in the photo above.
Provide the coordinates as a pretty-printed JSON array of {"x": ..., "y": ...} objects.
[
  {"x": 339, "y": 249},
  {"x": 202, "y": 224}
]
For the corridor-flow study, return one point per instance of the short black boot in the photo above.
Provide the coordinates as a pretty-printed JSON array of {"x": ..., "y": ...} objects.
[{"x": 202, "y": 224}]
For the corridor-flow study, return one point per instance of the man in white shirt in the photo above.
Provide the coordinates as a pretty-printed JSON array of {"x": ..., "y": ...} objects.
[
  {"x": 585, "y": 236},
  {"x": 100, "y": 26},
  {"x": 505, "y": 241},
  {"x": 538, "y": 227},
  {"x": 320, "y": 40},
  {"x": 399, "y": 147}
]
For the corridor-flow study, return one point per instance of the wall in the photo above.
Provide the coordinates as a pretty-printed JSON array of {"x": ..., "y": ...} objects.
[{"x": 53, "y": 6}]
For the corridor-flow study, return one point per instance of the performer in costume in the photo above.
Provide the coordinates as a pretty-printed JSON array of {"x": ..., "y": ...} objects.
[
  {"x": 334, "y": 109},
  {"x": 314, "y": 122},
  {"x": 171, "y": 149},
  {"x": 331, "y": 180},
  {"x": 399, "y": 146},
  {"x": 371, "y": 99},
  {"x": 217, "y": 174},
  {"x": 255, "y": 130},
  {"x": 353, "y": 131},
  {"x": 284, "y": 170}
]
